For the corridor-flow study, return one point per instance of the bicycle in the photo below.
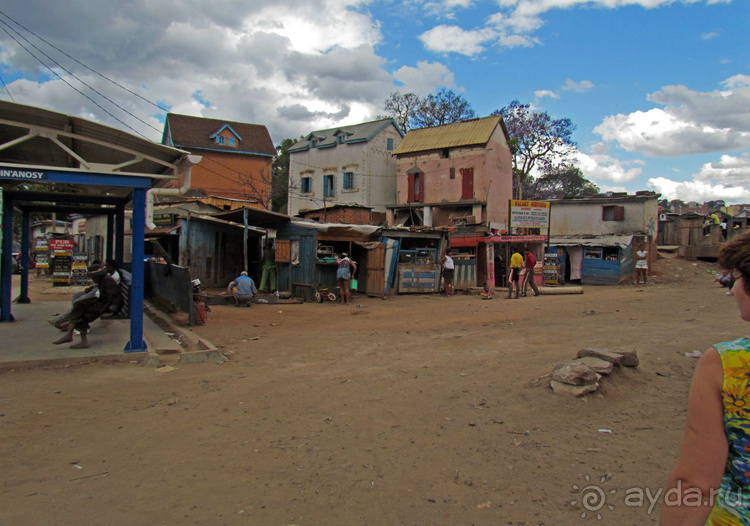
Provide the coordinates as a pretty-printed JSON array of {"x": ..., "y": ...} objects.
[{"x": 322, "y": 295}]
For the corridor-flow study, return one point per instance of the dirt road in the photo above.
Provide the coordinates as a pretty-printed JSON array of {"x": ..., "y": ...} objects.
[{"x": 415, "y": 410}]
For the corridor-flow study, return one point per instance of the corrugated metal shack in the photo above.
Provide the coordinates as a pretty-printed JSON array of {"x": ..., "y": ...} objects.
[
  {"x": 306, "y": 254},
  {"x": 595, "y": 260}
]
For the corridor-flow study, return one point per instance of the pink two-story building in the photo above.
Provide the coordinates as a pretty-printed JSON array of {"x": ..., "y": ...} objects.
[{"x": 457, "y": 176}]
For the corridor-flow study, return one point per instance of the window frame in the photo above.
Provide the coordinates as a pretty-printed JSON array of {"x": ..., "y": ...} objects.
[
  {"x": 329, "y": 190},
  {"x": 613, "y": 213},
  {"x": 350, "y": 177},
  {"x": 305, "y": 179}
]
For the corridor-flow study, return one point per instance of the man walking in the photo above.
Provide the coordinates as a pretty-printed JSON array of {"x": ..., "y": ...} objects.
[
  {"x": 516, "y": 264},
  {"x": 528, "y": 278},
  {"x": 242, "y": 289}
]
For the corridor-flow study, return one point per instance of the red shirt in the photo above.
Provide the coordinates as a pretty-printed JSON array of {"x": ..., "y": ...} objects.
[{"x": 530, "y": 260}]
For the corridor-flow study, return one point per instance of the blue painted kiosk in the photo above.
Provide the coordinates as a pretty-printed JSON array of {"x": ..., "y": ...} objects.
[{"x": 51, "y": 162}]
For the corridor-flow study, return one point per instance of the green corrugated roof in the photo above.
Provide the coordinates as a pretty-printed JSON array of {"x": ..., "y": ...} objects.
[
  {"x": 467, "y": 133},
  {"x": 354, "y": 133}
]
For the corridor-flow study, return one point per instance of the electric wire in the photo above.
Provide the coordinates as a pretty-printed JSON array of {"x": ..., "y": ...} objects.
[
  {"x": 84, "y": 65},
  {"x": 69, "y": 84},
  {"x": 5, "y": 25},
  {"x": 6, "y": 88}
]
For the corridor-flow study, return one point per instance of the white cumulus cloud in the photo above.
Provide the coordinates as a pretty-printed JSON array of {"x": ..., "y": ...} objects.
[
  {"x": 444, "y": 39},
  {"x": 728, "y": 179},
  {"x": 688, "y": 122}
]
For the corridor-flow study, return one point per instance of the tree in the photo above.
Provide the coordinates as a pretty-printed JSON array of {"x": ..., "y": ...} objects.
[
  {"x": 563, "y": 181},
  {"x": 444, "y": 107},
  {"x": 280, "y": 178},
  {"x": 258, "y": 187},
  {"x": 537, "y": 141},
  {"x": 402, "y": 107}
]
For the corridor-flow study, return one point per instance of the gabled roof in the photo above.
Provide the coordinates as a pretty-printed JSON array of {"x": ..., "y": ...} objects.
[
  {"x": 474, "y": 132},
  {"x": 198, "y": 133},
  {"x": 352, "y": 134}
]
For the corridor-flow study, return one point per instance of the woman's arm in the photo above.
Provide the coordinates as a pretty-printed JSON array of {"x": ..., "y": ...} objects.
[{"x": 704, "y": 448}]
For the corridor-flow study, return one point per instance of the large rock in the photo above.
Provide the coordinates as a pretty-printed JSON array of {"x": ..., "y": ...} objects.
[
  {"x": 602, "y": 354},
  {"x": 574, "y": 373},
  {"x": 629, "y": 358},
  {"x": 596, "y": 364},
  {"x": 574, "y": 390}
]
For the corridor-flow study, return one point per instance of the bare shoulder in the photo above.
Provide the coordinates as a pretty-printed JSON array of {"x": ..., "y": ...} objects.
[{"x": 710, "y": 369}]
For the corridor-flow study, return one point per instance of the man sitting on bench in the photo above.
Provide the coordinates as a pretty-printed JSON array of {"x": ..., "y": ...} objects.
[{"x": 87, "y": 310}]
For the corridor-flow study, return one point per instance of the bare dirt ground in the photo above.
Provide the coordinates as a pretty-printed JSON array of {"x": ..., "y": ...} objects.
[{"x": 414, "y": 410}]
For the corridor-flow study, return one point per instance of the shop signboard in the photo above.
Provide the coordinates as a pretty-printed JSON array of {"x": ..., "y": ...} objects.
[
  {"x": 41, "y": 250},
  {"x": 61, "y": 250},
  {"x": 529, "y": 214}
]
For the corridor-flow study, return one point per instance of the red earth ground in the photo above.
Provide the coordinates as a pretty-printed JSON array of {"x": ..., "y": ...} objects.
[{"x": 410, "y": 410}]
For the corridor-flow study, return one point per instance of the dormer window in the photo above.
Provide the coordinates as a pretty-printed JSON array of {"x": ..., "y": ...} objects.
[
  {"x": 341, "y": 139},
  {"x": 313, "y": 143},
  {"x": 226, "y": 136}
]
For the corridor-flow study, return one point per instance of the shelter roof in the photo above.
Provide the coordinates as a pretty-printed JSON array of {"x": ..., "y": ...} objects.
[
  {"x": 474, "y": 132},
  {"x": 35, "y": 142},
  {"x": 191, "y": 133}
]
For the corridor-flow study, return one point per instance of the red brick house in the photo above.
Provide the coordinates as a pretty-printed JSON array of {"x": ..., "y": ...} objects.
[{"x": 237, "y": 156}]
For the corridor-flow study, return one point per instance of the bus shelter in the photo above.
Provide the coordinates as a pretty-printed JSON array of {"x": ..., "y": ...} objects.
[{"x": 56, "y": 163}]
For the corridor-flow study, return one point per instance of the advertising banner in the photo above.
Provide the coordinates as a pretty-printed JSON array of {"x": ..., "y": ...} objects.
[{"x": 529, "y": 214}]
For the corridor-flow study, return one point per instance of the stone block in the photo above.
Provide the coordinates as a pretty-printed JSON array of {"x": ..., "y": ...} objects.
[
  {"x": 574, "y": 390},
  {"x": 596, "y": 364},
  {"x": 629, "y": 358},
  {"x": 573, "y": 373},
  {"x": 602, "y": 354}
]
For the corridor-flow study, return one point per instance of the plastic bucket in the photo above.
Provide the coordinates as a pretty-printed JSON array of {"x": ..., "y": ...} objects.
[{"x": 353, "y": 284}]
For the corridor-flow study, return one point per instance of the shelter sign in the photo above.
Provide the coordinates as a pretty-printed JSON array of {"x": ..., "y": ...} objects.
[
  {"x": 529, "y": 214},
  {"x": 23, "y": 175}
]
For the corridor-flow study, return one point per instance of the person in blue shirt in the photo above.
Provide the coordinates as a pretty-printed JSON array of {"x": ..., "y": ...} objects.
[{"x": 243, "y": 288}]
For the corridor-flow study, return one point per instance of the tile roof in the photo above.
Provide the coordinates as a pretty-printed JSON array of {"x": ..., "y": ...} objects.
[
  {"x": 355, "y": 133},
  {"x": 466, "y": 133},
  {"x": 192, "y": 133}
]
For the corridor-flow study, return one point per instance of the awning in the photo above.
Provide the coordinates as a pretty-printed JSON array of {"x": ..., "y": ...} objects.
[{"x": 609, "y": 240}]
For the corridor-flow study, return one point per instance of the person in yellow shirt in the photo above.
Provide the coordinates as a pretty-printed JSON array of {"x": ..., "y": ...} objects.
[{"x": 516, "y": 264}]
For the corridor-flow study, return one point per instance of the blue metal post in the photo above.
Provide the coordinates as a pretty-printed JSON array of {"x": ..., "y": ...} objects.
[
  {"x": 120, "y": 237},
  {"x": 136, "y": 343},
  {"x": 25, "y": 258},
  {"x": 110, "y": 238},
  {"x": 6, "y": 260}
]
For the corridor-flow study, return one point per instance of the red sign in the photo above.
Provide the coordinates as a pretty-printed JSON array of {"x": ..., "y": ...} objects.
[{"x": 63, "y": 244}]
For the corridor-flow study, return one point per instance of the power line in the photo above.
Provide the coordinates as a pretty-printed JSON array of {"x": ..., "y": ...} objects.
[
  {"x": 5, "y": 24},
  {"x": 6, "y": 88},
  {"x": 84, "y": 65}
]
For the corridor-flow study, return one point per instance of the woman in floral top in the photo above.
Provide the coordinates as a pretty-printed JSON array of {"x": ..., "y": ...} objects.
[{"x": 710, "y": 485}]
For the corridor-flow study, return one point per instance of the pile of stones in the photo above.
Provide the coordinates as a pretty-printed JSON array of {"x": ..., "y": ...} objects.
[{"x": 582, "y": 375}]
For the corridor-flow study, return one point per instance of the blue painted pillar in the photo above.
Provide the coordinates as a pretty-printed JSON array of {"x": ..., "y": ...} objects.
[
  {"x": 25, "y": 258},
  {"x": 120, "y": 238},
  {"x": 136, "y": 343},
  {"x": 110, "y": 238},
  {"x": 6, "y": 260}
]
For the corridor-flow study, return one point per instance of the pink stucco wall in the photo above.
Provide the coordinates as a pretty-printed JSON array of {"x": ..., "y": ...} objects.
[{"x": 493, "y": 175}]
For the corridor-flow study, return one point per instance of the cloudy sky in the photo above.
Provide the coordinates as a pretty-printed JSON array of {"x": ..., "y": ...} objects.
[{"x": 659, "y": 89}]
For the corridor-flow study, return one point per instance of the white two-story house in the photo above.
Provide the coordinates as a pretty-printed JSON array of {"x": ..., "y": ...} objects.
[{"x": 348, "y": 165}]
